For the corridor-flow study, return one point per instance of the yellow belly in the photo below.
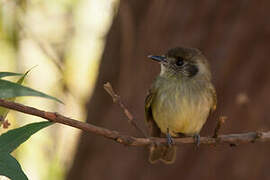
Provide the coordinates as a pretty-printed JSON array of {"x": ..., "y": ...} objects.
[{"x": 181, "y": 114}]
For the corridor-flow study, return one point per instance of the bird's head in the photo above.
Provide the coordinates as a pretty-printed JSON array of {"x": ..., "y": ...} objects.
[{"x": 183, "y": 62}]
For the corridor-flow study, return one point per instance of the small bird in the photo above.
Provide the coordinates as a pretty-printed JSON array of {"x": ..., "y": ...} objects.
[{"x": 180, "y": 99}]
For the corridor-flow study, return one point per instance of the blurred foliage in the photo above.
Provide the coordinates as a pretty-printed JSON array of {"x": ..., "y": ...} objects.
[
  {"x": 65, "y": 39},
  {"x": 10, "y": 140}
]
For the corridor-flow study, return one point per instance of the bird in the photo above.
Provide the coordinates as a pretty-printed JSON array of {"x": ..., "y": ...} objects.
[{"x": 179, "y": 101}]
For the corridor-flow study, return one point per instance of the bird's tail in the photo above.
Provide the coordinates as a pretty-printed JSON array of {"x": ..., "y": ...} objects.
[{"x": 163, "y": 153}]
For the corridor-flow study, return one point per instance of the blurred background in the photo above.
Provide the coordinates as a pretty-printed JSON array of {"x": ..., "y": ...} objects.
[
  {"x": 63, "y": 40},
  {"x": 76, "y": 46}
]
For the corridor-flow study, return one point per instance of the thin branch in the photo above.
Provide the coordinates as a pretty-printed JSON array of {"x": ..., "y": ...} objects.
[
  {"x": 116, "y": 99},
  {"x": 241, "y": 138}
]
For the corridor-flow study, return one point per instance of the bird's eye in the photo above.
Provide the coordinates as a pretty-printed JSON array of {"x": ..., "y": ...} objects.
[{"x": 179, "y": 61}]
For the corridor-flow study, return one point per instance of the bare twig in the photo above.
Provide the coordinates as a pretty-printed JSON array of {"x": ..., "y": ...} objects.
[
  {"x": 221, "y": 121},
  {"x": 249, "y": 137},
  {"x": 116, "y": 99}
]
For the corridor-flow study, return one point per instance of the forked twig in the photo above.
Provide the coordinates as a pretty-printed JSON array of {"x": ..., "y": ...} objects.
[{"x": 116, "y": 99}]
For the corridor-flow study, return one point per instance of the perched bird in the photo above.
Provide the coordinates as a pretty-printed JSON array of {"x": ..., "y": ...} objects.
[{"x": 180, "y": 99}]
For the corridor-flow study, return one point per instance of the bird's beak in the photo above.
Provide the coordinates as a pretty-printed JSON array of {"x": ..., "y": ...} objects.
[{"x": 158, "y": 58}]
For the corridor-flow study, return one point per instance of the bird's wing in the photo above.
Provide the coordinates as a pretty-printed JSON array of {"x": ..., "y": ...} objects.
[{"x": 154, "y": 130}]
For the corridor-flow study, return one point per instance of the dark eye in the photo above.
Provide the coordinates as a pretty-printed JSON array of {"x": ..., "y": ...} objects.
[{"x": 179, "y": 61}]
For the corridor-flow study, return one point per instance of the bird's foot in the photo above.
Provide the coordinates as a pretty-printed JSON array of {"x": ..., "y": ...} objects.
[
  {"x": 169, "y": 138},
  {"x": 197, "y": 139}
]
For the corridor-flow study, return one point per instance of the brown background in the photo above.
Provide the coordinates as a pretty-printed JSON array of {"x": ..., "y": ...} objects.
[{"x": 234, "y": 35}]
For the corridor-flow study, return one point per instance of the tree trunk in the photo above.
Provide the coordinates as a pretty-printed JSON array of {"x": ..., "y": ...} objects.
[{"x": 235, "y": 36}]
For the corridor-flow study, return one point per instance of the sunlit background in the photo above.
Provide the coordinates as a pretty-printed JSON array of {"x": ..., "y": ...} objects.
[{"x": 63, "y": 40}]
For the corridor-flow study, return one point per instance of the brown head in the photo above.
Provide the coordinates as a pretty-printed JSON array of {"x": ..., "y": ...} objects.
[{"x": 183, "y": 62}]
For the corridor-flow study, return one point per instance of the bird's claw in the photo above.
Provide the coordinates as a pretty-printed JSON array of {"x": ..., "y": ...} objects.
[
  {"x": 169, "y": 138},
  {"x": 197, "y": 139}
]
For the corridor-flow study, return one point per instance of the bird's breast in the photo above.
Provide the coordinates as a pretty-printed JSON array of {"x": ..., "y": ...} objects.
[{"x": 181, "y": 108}]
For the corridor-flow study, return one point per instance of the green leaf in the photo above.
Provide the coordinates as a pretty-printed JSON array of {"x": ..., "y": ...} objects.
[
  {"x": 20, "y": 81},
  {"x": 10, "y": 167},
  {"x": 9, "y": 141},
  {"x": 9, "y": 89},
  {"x": 15, "y": 137},
  {"x": 4, "y": 111},
  {"x": 4, "y": 74}
]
